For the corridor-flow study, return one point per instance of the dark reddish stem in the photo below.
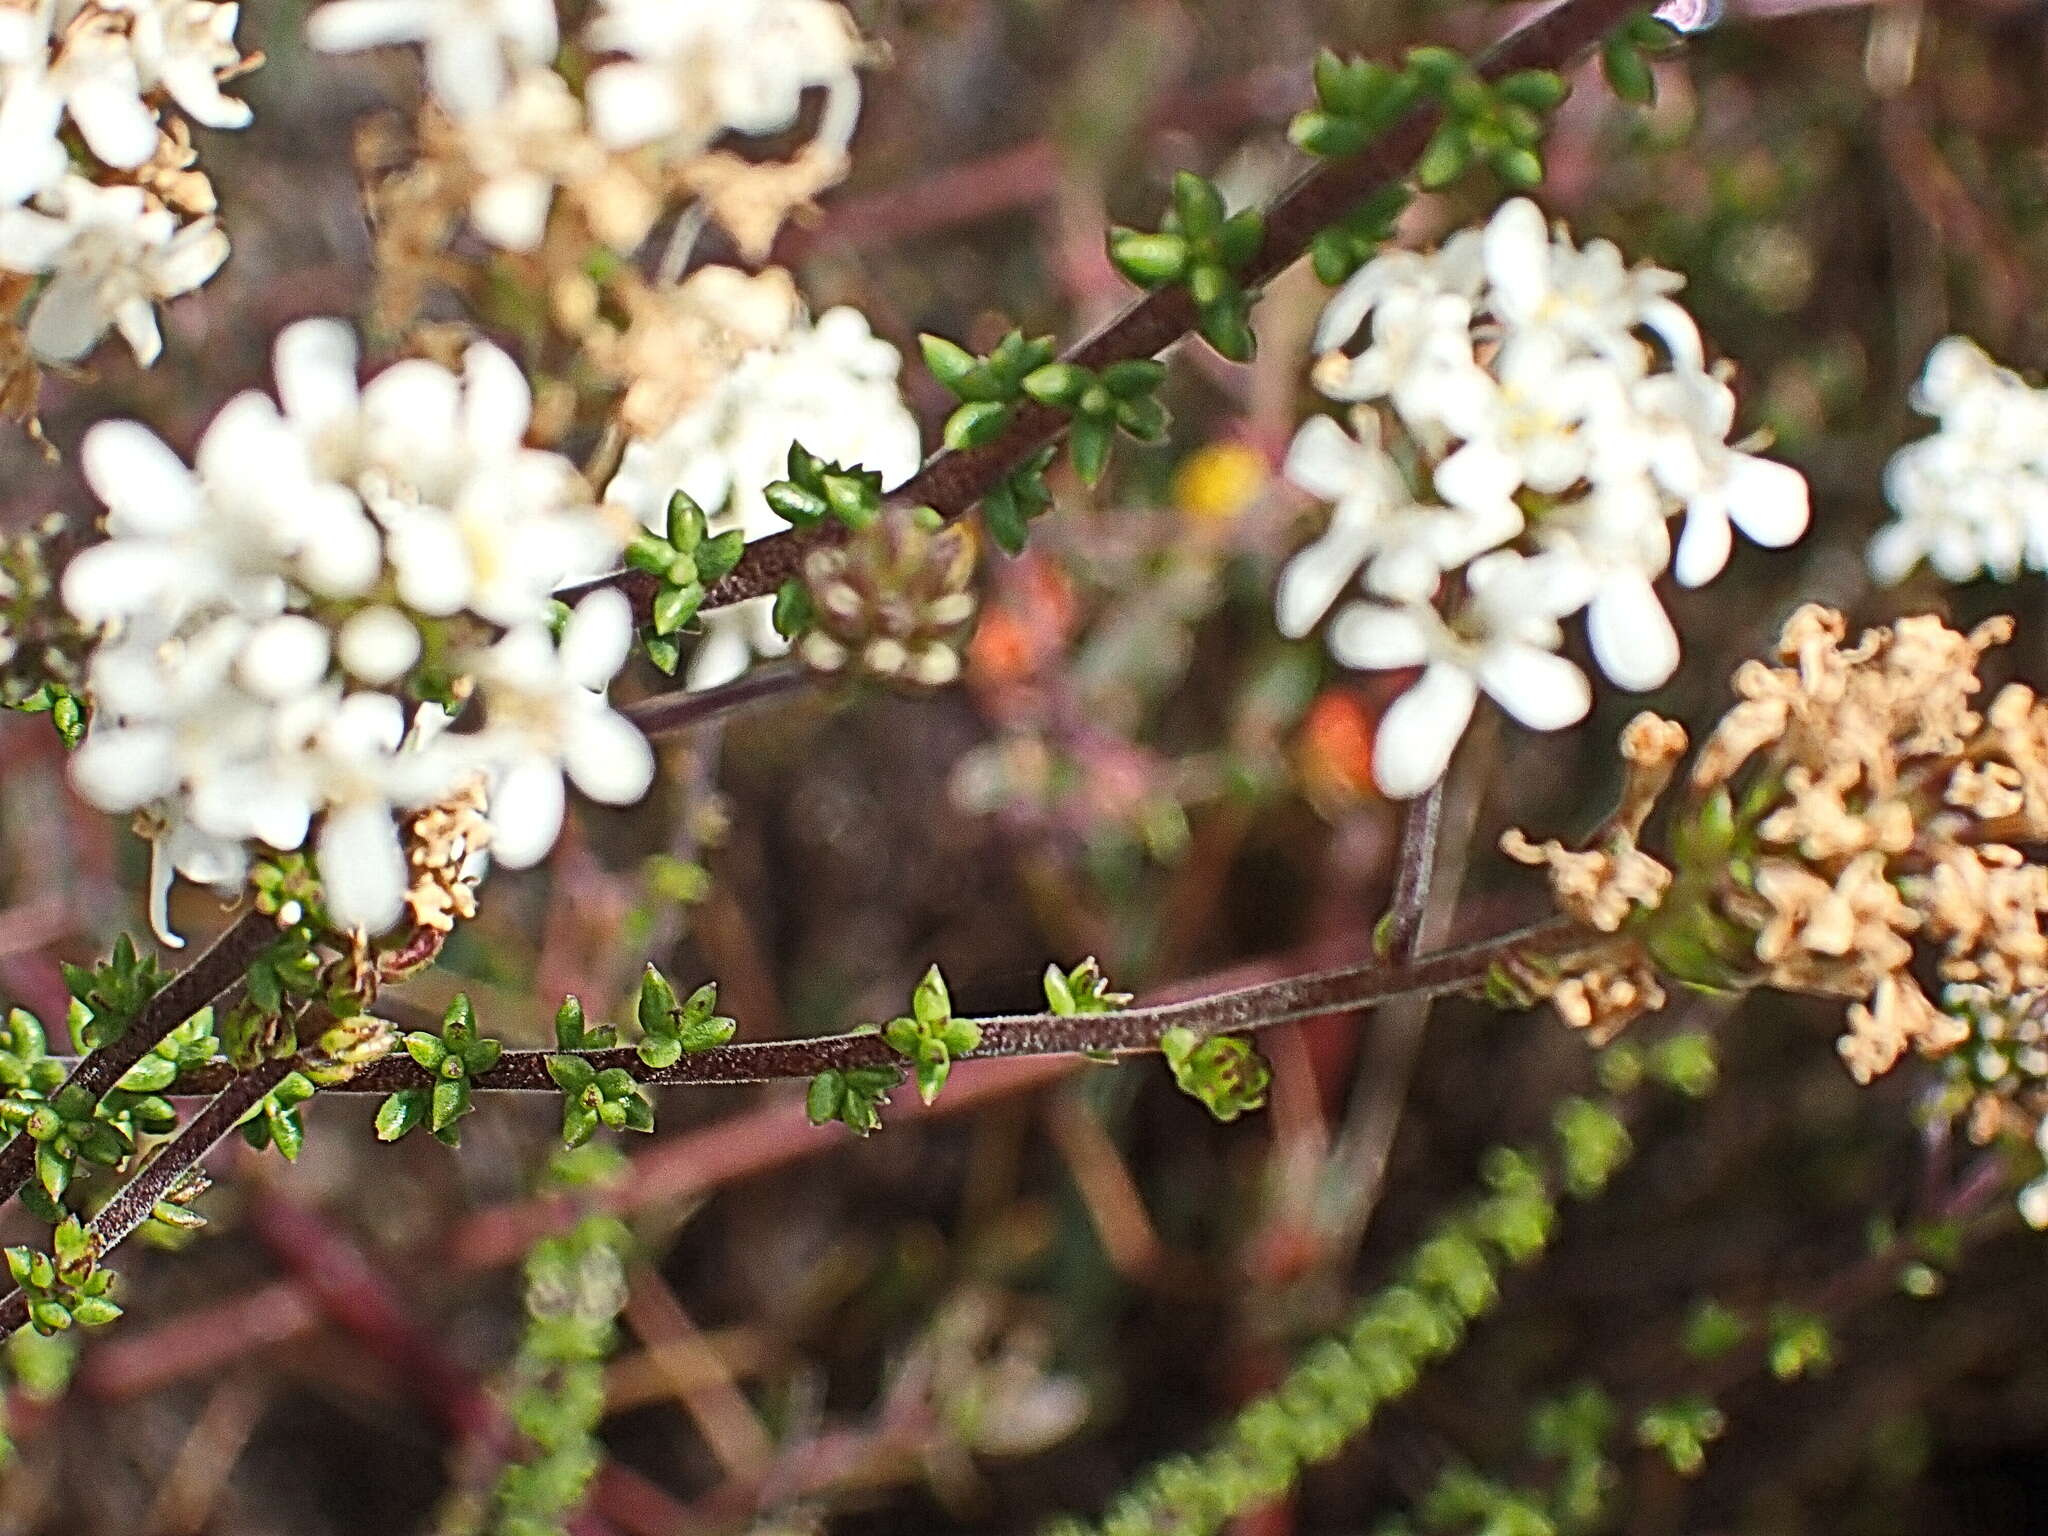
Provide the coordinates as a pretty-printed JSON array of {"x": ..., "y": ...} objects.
[
  {"x": 221, "y": 966},
  {"x": 129, "y": 1209},
  {"x": 1037, "y": 1034},
  {"x": 953, "y": 480}
]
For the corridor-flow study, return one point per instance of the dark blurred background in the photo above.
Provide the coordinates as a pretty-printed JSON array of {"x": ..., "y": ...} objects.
[{"x": 979, "y": 1319}]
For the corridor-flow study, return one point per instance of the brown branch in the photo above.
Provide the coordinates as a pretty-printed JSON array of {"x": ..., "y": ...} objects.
[
  {"x": 220, "y": 966},
  {"x": 129, "y": 1209},
  {"x": 1134, "y": 1030},
  {"x": 952, "y": 481},
  {"x": 672, "y": 712}
]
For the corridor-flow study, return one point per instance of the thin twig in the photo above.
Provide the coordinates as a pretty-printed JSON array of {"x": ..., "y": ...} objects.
[
  {"x": 219, "y": 967},
  {"x": 952, "y": 481},
  {"x": 1134, "y": 1030},
  {"x": 1415, "y": 871},
  {"x": 671, "y": 713},
  {"x": 129, "y": 1209}
]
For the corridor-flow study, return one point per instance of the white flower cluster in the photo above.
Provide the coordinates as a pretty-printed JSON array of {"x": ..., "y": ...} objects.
[
  {"x": 1971, "y": 498},
  {"x": 1528, "y": 415},
  {"x": 830, "y": 385},
  {"x": 679, "y": 72},
  {"x": 273, "y": 614},
  {"x": 112, "y": 246}
]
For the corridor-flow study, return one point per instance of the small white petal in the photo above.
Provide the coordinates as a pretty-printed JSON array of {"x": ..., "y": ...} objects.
[
  {"x": 378, "y": 645},
  {"x": 362, "y": 867},
  {"x": 597, "y": 639},
  {"x": 1539, "y": 688},
  {"x": 1767, "y": 500},
  {"x": 526, "y": 812},
  {"x": 1420, "y": 730},
  {"x": 609, "y": 759},
  {"x": 1631, "y": 634},
  {"x": 1372, "y": 638}
]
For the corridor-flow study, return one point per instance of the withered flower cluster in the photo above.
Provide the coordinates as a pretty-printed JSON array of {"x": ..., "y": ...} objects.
[{"x": 1855, "y": 827}]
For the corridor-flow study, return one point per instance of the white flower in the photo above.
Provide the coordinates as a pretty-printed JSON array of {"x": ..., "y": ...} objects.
[
  {"x": 112, "y": 253},
  {"x": 467, "y": 42},
  {"x": 473, "y": 519},
  {"x": 183, "y": 46},
  {"x": 1536, "y": 396},
  {"x": 548, "y": 714},
  {"x": 90, "y": 74},
  {"x": 1405, "y": 545},
  {"x": 1972, "y": 497},
  {"x": 830, "y": 386},
  {"x": 1686, "y": 417},
  {"x": 1586, "y": 298},
  {"x": 1502, "y": 642},
  {"x": 254, "y": 612},
  {"x": 697, "y": 68}
]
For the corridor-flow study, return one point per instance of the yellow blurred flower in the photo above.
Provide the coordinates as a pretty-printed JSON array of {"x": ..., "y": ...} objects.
[{"x": 1215, "y": 484}]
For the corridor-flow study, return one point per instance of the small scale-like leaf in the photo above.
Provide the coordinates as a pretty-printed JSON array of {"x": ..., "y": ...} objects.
[
  {"x": 660, "y": 1051},
  {"x": 654, "y": 1007},
  {"x": 400, "y": 1113},
  {"x": 426, "y": 1049},
  {"x": 1088, "y": 443},
  {"x": 822, "y": 1103},
  {"x": 572, "y": 1074},
  {"x": 930, "y": 1002},
  {"x": 451, "y": 1101},
  {"x": 716, "y": 557}
]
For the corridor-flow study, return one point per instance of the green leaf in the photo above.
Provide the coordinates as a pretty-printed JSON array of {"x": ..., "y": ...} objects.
[
  {"x": 949, "y": 362},
  {"x": 579, "y": 1123},
  {"x": 704, "y": 1034},
  {"x": 660, "y": 1051},
  {"x": 1197, "y": 204},
  {"x": 426, "y": 1049},
  {"x": 94, "y": 1311},
  {"x": 976, "y": 423},
  {"x": 1088, "y": 443},
  {"x": 795, "y": 505},
  {"x": 931, "y": 1070},
  {"x": 572, "y": 1074},
  {"x": 792, "y": 614},
  {"x": 451, "y": 1101},
  {"x": 1059, "y": 997},
  {"x": 1540, "y": 90},
  {"x": 1628, "y": 73},
  {"x": 655, "y": 1004},
  {"x": 1519, "y": 168},
  {"x": 1143, "y": 419},
  {"x": 1444, "y": 160},
  {"x": 1238, "y": 241},
  {"x": 930, "y": 1002},
  {"x": 1150, "y": 261},
  {"x": 53, "y": 1169},
  {"x": 676, "y": 606},
  {"x": 685, "y": 522},
  {"x": 822, "y": 1103},
  {"x": 1004, "y": 520},
  {"x": 569, "y": 1026},
  {"x": 1227, "y": 328},
  {"x": 287, "y": 1132},
  {"x": 460, "y": 1018},
  {"x": 1134, "y": 377},
  {"x": 1058, "y": 384},
  {"x": 152, "y": 1074},
  {"x": 663, "y": 652},
  {"x": 717, "y": 557},
  {"x": 479, "y": 1056},
  {"x": 400, "y": 1113}
]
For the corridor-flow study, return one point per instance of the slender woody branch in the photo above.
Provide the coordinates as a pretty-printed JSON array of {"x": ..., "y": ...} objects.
[
  {"x": 219, "y": 967},
  {"x": 130, "y": 1208},
  {"x": 1133, "y": 1030},
  {"x": 952, "y": 481}
]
